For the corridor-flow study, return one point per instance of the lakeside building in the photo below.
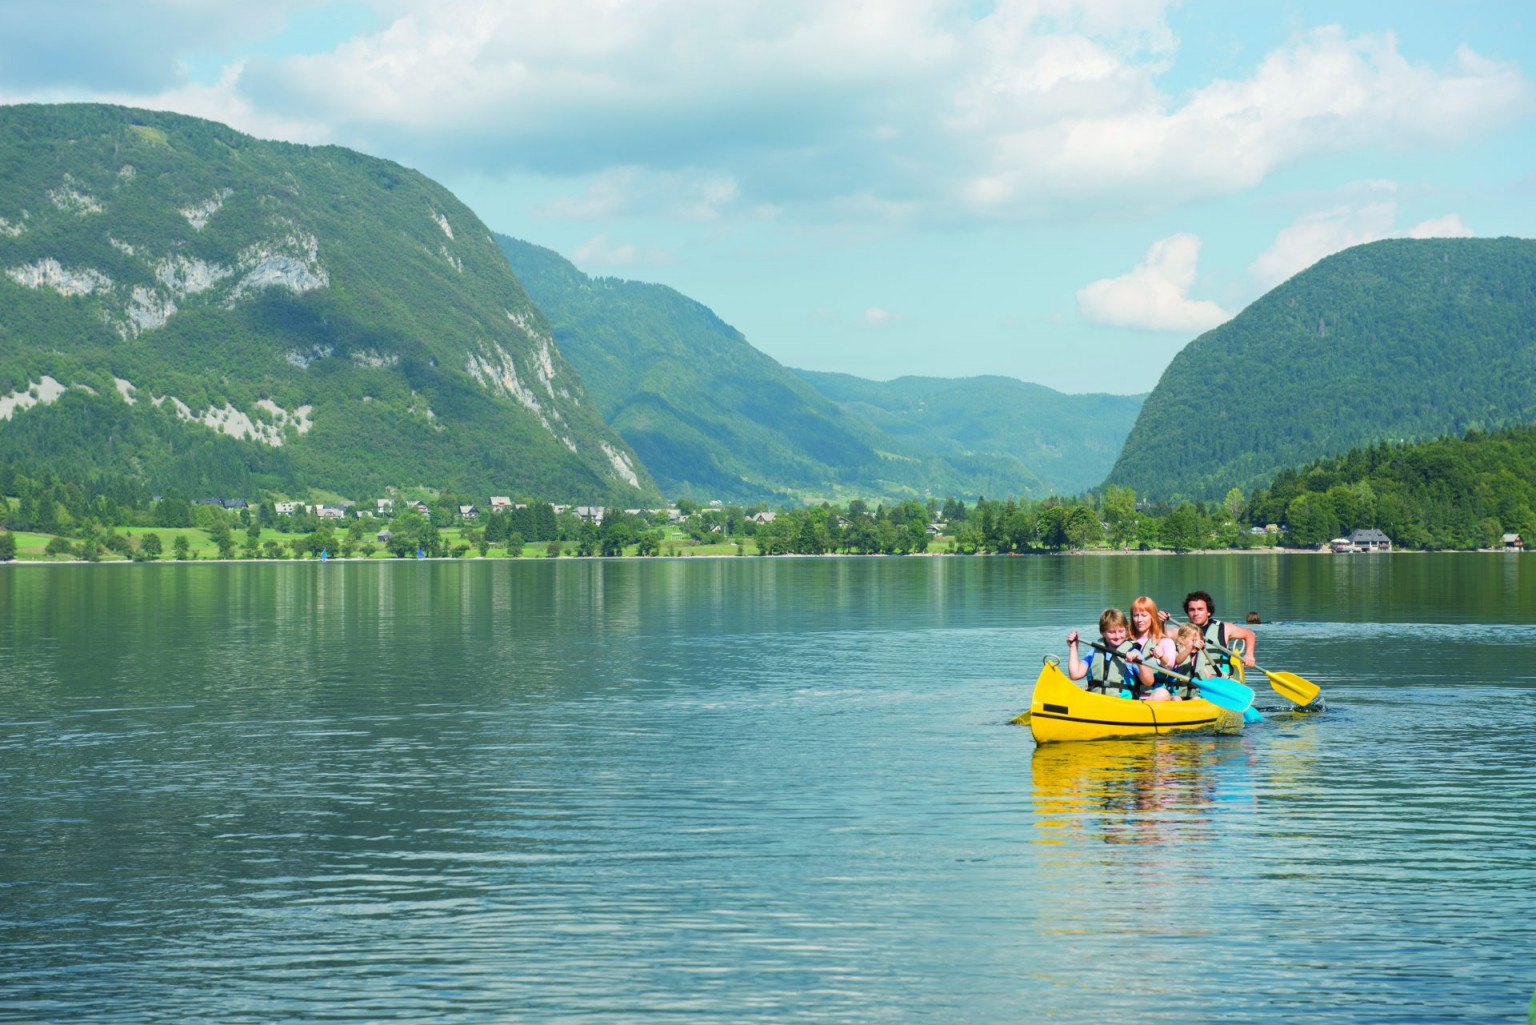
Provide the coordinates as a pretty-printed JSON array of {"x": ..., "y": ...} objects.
[{"x": 1367, "y": 540}]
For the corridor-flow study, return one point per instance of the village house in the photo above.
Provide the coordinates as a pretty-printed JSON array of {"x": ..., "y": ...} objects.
[
  {"x": 468, "y": 512},
  {"x": 763, "y": 517},
  {"x": 386, "y": 506},
  {"x": 1370, "y": 540},
  {"x": 286, "y": 508},
  {"x": 589, "y": 513},
  {"x": 1512, "y": 541},
  {"x": 500, "y": 502}
]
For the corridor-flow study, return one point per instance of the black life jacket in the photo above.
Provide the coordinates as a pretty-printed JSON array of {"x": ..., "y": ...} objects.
[{"x": 1108, "y": 673}]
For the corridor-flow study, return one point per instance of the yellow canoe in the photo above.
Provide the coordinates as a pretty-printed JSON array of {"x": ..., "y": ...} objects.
[{"x": 1060, "y": 710}]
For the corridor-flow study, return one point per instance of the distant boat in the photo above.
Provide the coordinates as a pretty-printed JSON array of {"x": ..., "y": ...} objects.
[
  {"x": 322, "y": 555},
  {"x": 420, "y": 554}
]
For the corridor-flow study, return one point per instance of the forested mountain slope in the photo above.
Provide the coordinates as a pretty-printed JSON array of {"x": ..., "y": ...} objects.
[
  {"x": 711, "y": 416},
  {"x": 217, "y": 314},
  {"x": 1447, "y": 493},
  {"x": 714, "y": 417},
  {"x": 999, "y": 428},
  {"x": 1399, "y": 340}
]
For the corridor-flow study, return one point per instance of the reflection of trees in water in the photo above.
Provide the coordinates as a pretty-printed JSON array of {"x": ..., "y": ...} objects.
[{"x": 1153, "y": 791}]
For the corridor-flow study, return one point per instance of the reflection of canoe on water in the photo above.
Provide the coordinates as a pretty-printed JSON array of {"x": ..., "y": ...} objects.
[
  {"x": 1060, "y": 710},
  {"x": 1136, "y": 790}
]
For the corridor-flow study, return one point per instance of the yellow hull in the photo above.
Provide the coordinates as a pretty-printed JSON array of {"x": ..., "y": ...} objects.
[{"x": 1060, "y": 710}]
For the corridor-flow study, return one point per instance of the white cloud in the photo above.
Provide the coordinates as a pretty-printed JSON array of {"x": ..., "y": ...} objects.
[
  {"x": 894, "y": 111},
  {"x": 875, "y": 317},
  {"x": 1449, "y": 226},
  {"x": 134, "y": 47},
  {"x": 1114, "y": 132},
  {"x": 1155, "y": 295},
  {"x": 599, "y": 251},
  {"x": 1325, "y": 232},
  {"x": 690, "y": 195}
]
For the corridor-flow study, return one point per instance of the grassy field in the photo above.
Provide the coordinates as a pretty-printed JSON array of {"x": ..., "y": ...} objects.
[{"x": 31, "y": 547}]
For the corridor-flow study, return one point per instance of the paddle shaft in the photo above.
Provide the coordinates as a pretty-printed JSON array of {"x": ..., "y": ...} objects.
[
  {"x": 1156, "y": 667},
  {"x": 1222, "y": 693},
  {"x": 1213, "y": 644},
  {"x": 1290, "y": 680}
]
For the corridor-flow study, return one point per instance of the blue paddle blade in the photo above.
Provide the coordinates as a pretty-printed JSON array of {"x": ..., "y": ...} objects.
[
  {"x": 1251, "y": 714},
  {"x": 1226, "y": 693}
]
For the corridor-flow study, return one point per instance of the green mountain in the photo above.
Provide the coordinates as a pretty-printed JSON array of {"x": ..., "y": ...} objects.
[
  {"x": 1400, "y": 340},
  {"x": 214, "y": 313},
  {"x": 709, "y": 415},
  {"x": 997, "y": 429},
  {"x": 712, "y": 417}
]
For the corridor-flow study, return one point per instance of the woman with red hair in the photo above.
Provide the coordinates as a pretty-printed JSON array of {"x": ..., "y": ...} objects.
[{"x": 1154, "y": 645}]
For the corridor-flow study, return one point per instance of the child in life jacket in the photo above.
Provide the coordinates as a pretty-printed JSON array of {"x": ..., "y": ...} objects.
[
  {"x": 1119, "y": 674},
  {"x": 1191, "y": 661}
]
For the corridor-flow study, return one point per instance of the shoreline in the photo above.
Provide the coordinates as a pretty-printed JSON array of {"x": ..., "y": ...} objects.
[{"x": 1080, "y": 553}]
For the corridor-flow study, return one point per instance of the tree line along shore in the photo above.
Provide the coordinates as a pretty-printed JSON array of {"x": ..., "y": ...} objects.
[
  {"x": 1452, "y": 494},
  {"x": 1468, "y": 493}
]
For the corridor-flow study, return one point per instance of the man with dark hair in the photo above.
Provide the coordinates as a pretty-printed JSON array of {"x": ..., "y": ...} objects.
[{"x": 1200, "y": 607}]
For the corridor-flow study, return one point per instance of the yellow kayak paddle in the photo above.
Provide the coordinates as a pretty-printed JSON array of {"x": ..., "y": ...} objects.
[{"x": 1287, "y": 685}]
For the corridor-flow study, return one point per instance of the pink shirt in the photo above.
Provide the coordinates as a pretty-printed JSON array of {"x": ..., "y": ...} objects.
[{"x": 1166, "y": 651}]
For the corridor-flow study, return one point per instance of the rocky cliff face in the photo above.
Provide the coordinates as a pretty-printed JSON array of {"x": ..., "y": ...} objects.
[{"x": 162, "y": 275}]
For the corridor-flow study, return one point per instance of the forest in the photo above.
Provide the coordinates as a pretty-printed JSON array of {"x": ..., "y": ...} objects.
[
  {"x": 1402, "y": 340},
  {"x": 1449, "y": 494}
]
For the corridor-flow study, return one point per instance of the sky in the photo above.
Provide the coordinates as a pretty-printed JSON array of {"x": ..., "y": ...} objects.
[{"x": 1063, "y": 191}]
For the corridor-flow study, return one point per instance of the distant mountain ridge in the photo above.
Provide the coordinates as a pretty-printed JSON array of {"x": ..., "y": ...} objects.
[
  {"x": 1000, "y": 429},
  {"x": 1399, "y": 340},
  {"x": 215, "y": 313},
  {"x": 709, "y": 415},
  {"x": 713, "y": 417}
]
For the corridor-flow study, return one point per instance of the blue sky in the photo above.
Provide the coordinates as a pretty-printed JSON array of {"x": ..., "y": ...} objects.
[{"x": 1065, "y": 191}]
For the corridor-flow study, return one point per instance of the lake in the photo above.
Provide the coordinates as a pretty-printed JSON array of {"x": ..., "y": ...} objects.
[{"x": 753, "y": 790}]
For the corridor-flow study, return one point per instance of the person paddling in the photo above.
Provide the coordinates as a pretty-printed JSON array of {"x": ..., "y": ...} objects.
[
  {"x": 1109, "y": 673},
  {"x": 1154, "y": 645},
  {"x": 1200, "y": 607}
]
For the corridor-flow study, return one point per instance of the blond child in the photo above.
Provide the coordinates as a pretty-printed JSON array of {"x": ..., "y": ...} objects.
[{"x": 1109, "y": 673}]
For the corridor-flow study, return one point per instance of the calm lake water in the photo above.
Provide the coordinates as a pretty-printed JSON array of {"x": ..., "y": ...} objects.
[{"x": 749, "y": 790}]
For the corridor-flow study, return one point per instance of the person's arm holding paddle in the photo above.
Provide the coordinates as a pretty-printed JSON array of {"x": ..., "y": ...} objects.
[
  {"x": 1076, "y": 667},
  {"x": 1237, "y": 633}
]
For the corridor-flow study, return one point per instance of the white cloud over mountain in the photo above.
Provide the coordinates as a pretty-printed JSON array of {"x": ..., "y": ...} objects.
[
  {"x": 599, "y": 251},
  {"x": 1325, "y": 232},
  {"x": 1155, "y": 294},
  {"x": 908, "y": 109}
]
